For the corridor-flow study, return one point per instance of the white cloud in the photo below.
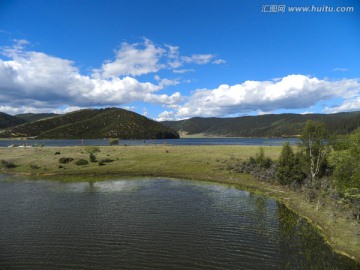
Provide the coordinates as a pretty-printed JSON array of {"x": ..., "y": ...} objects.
[
  {"x": 28, "y": 109},
  {"x": 145, "y": 112},
  {"x": 338, "y": 69},
  {"x": 129, "y": 108},
  {"x": 67, "y": 109},
  {"x": 16, "y": 110},
  {"x": 146, "y": 57},
  {"x": 219, "y": 61},
  {"x": 166, "y": 116},
  {"x": 134, "y": 59},
  {"x": 32, "y": 80},
  {"x": 347, "y": 105},
  {"x": 290, "y": 92},
  {"x": 200, "y": 59},
  {"x": 182, "y": 71}
]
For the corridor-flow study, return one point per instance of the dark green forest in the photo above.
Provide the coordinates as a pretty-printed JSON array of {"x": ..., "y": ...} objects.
[
  {"x": 93, "y": 124},
  {"x": 7, "y": 120},
  {"x": 31, "y": 117},
  {"x": 270, "y": 125},
  {"x": 119, "y": 123}
]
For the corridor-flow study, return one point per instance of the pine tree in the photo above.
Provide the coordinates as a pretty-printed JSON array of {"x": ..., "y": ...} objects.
[{"x": 286, "y": 165}]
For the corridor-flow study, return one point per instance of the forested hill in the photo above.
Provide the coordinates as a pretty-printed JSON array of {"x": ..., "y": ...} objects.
[
  {"x": 93, "y": 124},
  {"x": 270, "y": 125},
  {"x": 31, "y": 117},
  {"x": 7, "y": 120}
]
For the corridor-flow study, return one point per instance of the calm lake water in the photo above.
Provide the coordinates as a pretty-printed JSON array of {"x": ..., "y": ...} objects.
[
  {"x": 152, "y": 224},
  {"x": 185, "y": 141}
]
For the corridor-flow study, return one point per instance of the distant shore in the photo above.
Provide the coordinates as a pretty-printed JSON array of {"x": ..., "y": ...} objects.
[{"x": 207, "y": 163}]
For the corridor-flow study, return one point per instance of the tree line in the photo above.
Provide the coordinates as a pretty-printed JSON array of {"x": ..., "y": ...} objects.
[{"x": 320, "y": 162}]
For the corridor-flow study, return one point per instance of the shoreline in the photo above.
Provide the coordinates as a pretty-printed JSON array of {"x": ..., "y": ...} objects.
[{"x": 201, "y": 163}]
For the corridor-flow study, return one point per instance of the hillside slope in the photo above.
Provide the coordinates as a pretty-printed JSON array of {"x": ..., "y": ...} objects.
[
  {"x": 271, "y": 125},
  {"x": 31, "y": 117},
  {"x": 7, "y": 120},
  {"x": 93, "y": 124}
]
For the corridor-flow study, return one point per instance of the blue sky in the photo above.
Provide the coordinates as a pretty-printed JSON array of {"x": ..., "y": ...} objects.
[{"x": 179, "y": 59}]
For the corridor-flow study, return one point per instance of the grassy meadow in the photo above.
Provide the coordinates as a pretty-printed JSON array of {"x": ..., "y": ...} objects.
[{"x": 197, "y": 162}]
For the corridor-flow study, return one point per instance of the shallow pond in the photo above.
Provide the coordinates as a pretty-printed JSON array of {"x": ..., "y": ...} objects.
[{"x": 152, "y": 224}]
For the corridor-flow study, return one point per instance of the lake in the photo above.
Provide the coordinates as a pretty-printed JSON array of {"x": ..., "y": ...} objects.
[
  {"x": 185, "y": 141},
  {"x": 152, "y": 224}
]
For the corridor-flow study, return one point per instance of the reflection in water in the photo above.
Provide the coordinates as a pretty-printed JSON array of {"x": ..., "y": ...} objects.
[
  {"x": 295, "y": 235},
  {"x": 153, "y": 224}
]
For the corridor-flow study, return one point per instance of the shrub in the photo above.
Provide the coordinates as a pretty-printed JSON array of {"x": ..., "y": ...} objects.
[
  {"x": 92, "y": 158},
  {"x": 107, "y": 160},
  {"x": 65, "y": 160},
  {"x": 113, "y": 142},
  {"x": 352, "y": 197},
  {"x": 92, "y": 150},
  {"x": 8, "y": 164},
  {"x": 81, "y": 162},
  {"x": 261, "y": 160}
]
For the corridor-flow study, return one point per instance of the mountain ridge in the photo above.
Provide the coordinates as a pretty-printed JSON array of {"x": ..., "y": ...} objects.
[
  {"x": 7, "y": 120},
  {"x": 114, "y": 122},
  {"x": 269, "y": 125},
  {"x": 93, "y": 124}
]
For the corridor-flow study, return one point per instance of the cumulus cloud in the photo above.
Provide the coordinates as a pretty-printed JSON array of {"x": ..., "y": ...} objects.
[
  {"x": 290, "y": 92},
  {"x": 33, "y": 80},
  {"x": 134, "y": 59},
  {"x": 146, "y": 57},
  {"x": 347, "y": 105},
  {"x": 167, "y": 116}
]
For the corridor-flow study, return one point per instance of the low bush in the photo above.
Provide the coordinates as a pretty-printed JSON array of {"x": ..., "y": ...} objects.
[
  {"x": 65, "y": 160},
  {"x": 266, "y": 174},
  {"x": 8, "y": 164},
  {"x": 107, "y": 160},
  {"x": 81, "y": 162},
  {"x": 113, "y": 142},
  {"x": 352, "y": 198},
  {"x": 92, "y": 158},
  {"x": 261, "y": 160}
]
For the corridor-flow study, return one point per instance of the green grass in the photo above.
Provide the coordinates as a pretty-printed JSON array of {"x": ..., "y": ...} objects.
[
  {"x": 161, "y": 160},
  {"x": 209, "y": 163}
]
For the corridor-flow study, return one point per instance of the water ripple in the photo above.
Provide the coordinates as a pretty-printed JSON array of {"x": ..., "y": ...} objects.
[{"x": 152, "y": 224}]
